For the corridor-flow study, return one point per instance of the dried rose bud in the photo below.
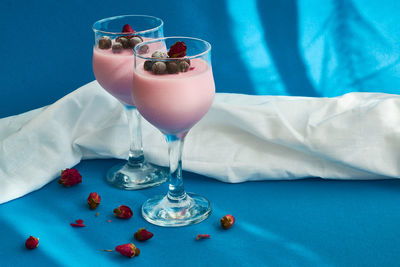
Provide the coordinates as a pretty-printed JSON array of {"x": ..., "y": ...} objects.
[
  {"x": 93, "y": 200},
  {"x": 227, "y": 221},
  {"x": 32, "y": 242},
  {"x": 177, "y": 50},
  {"x": 202, "y": 237},
  {"x": 142, "y": 234},
  {"x": 123, "y": 212},
  {"x": 128, "y": 250},
  {"x": 127, "y": 29},
  {"x": 70, "y": 177}
]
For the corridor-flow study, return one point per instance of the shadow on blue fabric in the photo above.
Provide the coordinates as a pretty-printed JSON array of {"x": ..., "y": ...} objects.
[{"x": 280, "y": 26}]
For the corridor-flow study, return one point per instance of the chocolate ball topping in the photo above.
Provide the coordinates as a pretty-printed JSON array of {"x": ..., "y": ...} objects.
[
  {"x": 134, "y": 41},
  {"x": 172, "y": 67},
  {"x": 104, "y": 42},
  {"x": 148, "y": 64},
  {"x": 183, "y": 66},
  {"x": 144, "y": 49},
  {"x": 124, "y": 41},
  {"x": 117, "y": 48},
  {"x": 159, "y": 67},
  {"x": 159, "y": 54}
]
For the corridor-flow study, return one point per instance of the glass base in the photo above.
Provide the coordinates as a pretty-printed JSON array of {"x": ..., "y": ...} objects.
[
  {"x": 143, "y": 175},
  {"x": 162, "y": 211}
]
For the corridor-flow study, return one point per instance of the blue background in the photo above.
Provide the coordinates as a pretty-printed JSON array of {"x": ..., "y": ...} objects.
[{"x": 288, "y": 47}]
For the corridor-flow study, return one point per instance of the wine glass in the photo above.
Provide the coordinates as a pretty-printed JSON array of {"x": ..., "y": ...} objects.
[
  {"x": 113, "y": 64},
  {"x": 173, "y": 93}
]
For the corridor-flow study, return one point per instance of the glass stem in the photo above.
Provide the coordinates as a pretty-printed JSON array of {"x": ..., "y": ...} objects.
[
  {"x": 176, "y": 190},
  {"x": 136, "y": 156}
]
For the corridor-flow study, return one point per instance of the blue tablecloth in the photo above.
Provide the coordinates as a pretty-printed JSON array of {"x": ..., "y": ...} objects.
[
  {"x": 259, "y": 47},
  {"x": 308, "y": 222}
]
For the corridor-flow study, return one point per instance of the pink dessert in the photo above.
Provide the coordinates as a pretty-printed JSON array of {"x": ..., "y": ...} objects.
[
  {"x": 114, "y": 72},
  {"x": 174, "y": 102}
]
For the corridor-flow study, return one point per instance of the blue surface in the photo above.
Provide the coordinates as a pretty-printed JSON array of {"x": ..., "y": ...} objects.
[
  {"x": 310, "y": 222},
  {"x": 259, "y": 47}
]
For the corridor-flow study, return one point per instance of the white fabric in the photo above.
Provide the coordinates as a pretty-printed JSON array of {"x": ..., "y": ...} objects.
[{"x": 242, "y": 138}]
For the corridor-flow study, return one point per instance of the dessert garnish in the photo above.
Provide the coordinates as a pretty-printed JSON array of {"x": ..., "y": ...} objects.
[
  {"x": 144, "y": 49},
  {"x": 134, "y": 41},
  {"x": 123, "y": 212},
  {"x": 148, "y": 64},
  {"x": 105, "y": 42},
  {"x": 128, "y": 250},
  {"x": 70, "y": 177},
  {"x": 142, "y": 234},
  {"x": 117, "y": 48},
  {"x": 159, "y": 67},
  {"x": 159, "y": 54},
  {"x": 123, "y": 41},
  {"x": 126, "y": 41},
  {"x": 202, "y": 237},
  {"x": 178, "y": 49},
  {"x": 93, "y": 200},
  {"x": 183, "y": 66},
  {"x": 227, "y": 221},
  {"x": 172, "y": 67},
  {"x": 32, "y": 242},
  {"x": 127, "y": 29},
  {"x": 79, "y": 223}
]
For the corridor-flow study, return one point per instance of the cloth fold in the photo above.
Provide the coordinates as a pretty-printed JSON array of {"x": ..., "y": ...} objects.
[{"x": 242, "y": 138}]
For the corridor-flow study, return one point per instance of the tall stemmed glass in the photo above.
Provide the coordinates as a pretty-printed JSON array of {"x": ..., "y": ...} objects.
[
  {"x": 173, "y": 94},
  {"x": 113, "y": 64}
]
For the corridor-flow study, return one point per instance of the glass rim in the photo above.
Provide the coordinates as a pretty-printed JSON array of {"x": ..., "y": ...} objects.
[
  {"x": 95, "y": 29},
  {"x": 137, "y": 47}
]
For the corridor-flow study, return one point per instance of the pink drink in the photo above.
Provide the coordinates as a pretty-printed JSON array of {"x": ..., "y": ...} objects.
[
  {"x": 174, "y": 102},
  {"x": 114, "y": 72}
]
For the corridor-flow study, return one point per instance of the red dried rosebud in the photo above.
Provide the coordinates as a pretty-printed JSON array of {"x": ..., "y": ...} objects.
[
  {"x": 128, "y": 250},
  {"x": 142, "y": 234},
  {"x": 127, "y": 29},
  {"x": 202, "y": 237},
  {"x": 123, "y": 212},
  {"x": 227, "y": 221},
  {"x": 32, "y": 242},
  {"x": 93, "y": 200},
  {"x": 70, "y": 177},
  {"x": 177, "y": 50},
  {"x": 79, "y": 223}
]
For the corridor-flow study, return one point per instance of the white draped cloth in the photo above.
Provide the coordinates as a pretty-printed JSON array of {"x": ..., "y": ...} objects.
[{"x": 242, "y": 138}]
